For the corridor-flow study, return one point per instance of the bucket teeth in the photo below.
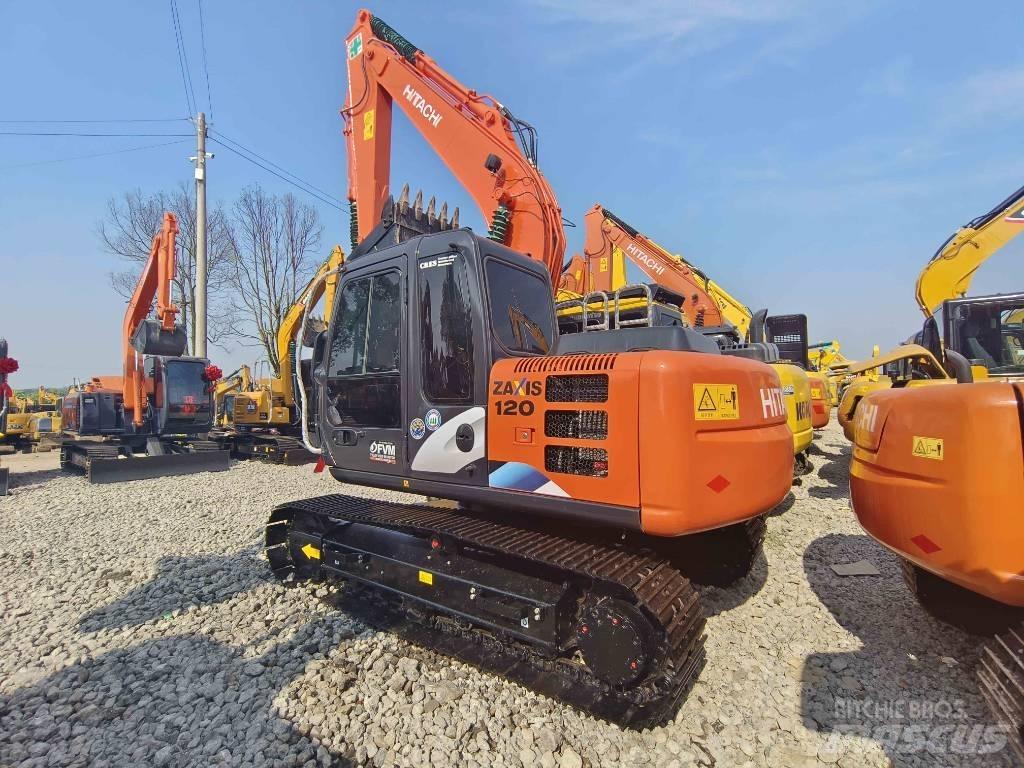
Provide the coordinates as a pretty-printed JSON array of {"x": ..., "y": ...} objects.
[
  {"x": 455, "y": 219},
  {"x": 444, "y": 215},
  {"x": 431, "y": 215},
  {"x": 417, "y": 206},
  {"x": 403, "y": 199}
]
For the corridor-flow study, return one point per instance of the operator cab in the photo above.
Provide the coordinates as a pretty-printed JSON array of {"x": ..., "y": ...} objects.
[
  {"x": 402, "y": 381},
  {"x": 988, "y": 331}
]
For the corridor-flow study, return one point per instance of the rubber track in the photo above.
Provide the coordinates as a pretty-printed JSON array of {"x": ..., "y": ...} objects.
[
  {"x": 1001, "y": 679},
  {"x": 668, "y": 597},
  {"x": 91, "y": 450}
]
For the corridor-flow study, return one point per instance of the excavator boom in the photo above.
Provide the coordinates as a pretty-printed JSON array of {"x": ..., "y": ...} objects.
[
  {"x": 492, "y": 153},
  {"x": 949, "y": 273},
  {"x": 610, "y": 240}
]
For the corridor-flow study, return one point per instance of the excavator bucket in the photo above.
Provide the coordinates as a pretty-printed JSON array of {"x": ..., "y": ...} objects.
[
  {"x": 151, "y": 339},
  {"x": 401, "y": 221}
]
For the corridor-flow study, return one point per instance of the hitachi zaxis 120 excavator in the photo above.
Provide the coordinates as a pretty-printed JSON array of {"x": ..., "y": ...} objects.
[
  {"x": 599, "y": 277},
  {"x": 150, "y": 421},
  {"x": 577, "y": 462}
]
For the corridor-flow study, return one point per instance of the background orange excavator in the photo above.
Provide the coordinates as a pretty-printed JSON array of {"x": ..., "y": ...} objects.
[
  {"x": 599, "y": 276},
  {"x": 574, "y": 458},
  {"x": 148, "y": 422}
]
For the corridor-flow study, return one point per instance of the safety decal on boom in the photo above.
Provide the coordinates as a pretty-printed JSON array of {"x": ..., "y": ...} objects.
[
  {"x": 355, "y": 46},
  {"x": 716, "y": 402},
  {"x": 1017, "y": 217},
  {"x": 928, "y": 448}
]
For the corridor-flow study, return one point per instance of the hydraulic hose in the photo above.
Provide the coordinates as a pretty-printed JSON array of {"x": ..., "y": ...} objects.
[{"x": 304, "y": 407}]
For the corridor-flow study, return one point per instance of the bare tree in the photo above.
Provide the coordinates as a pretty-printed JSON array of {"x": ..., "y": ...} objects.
[
  {"x": 127, "y": 232},
  {"x": 273, "y": 242}
]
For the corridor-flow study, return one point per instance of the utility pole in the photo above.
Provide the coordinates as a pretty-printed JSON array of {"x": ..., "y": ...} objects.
[{"x": 199, "y": 307}]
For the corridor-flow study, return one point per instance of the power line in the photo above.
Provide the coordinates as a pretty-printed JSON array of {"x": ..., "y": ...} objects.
[
  {"x": 285, "y": 171},
  {"x": 307, "y": 190},
  {"x": 59, "y": 122},
  {"x": 186, "y": 74},
  {"x": 206, "y": 70},
  {"x": 77, "y": 133},
  {"x": 86, "y": 157}
]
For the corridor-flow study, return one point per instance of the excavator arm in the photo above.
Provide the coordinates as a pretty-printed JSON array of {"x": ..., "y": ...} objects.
[
  {"x": 610, "y": 240},
  {"x": 490, "y": 152},
  {"x": 141, "y": 335},
  {"x": 287, "y": 344},
  {"x": 949, "y": 273}
]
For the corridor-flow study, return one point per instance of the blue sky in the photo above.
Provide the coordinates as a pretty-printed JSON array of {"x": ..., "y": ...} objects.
[{"x": 810, "y": 156}]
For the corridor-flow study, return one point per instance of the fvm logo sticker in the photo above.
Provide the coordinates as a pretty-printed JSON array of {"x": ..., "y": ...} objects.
[
  {"x": 383, "y": 451},
  {"x": 773, "y": 403}
]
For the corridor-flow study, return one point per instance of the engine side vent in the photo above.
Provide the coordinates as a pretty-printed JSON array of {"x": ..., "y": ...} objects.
[
  {"x": 569, "y": 460},
  {"x": 579, "y": 425},
  {"x": 547, "y": 364},
  {"x": 577, "y": 389}
]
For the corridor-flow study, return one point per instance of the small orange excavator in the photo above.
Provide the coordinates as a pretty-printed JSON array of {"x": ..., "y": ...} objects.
[
  {"x": 152, "y": 420},
  {"x": 582, "y": 465}
]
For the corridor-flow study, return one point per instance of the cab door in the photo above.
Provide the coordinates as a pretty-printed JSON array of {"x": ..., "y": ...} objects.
[
  {"x": 449, "y": 364},
  {"x": 362, "y": 412}
]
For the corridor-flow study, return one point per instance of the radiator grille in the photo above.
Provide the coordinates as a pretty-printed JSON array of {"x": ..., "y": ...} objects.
[
  {"x": 544, "y": 364},
  {"x": 577, "y": 389},
  {"x": 569, "y": 460},
  {"x": 580, "y": 425}
]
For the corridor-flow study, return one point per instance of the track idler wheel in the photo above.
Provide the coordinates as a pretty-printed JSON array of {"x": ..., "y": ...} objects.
[
  {"x": 615, "y": 640},
  {"x": 290, "y": 560}
]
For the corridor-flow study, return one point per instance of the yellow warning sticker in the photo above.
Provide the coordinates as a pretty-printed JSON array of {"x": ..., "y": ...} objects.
[
  {"x": 369, "y": 122},
  {"x": 929, "y": 448},
  {"x": 603, "y": 264},
  {"x": 716, "y": 402},
  {"x": 427, "y": 577}
]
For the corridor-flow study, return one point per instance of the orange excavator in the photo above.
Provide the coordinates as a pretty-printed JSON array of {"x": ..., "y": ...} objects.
[
  {"x": 938, "y": 471},
  {"x": 150, "y": 421},
  {"x": 583, "y": 466},
  {"x": 588, "y": 280}
]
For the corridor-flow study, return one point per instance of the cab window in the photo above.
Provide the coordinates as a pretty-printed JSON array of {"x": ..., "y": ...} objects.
[
  {"x": 520, "y": 301},
  {"x": 446, "y": 329}
]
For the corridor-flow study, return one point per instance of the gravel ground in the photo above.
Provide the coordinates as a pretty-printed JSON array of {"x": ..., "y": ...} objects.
[{"x": 141, "y": 626}]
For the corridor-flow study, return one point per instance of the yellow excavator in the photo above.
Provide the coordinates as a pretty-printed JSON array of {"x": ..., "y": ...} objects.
[
  {"x": 265, "y": 422},
  {"x": 224, "y": 393},
  {"x": 987, "y": 330},
  {"x": 826, "y": 358},
  {"x": 33, "y": 422}
]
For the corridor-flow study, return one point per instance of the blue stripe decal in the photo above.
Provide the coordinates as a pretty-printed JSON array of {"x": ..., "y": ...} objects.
[{"x": 517, "y": 477}]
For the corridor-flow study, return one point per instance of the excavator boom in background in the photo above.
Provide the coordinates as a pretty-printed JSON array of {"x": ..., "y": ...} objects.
[
  {"x": 152, "y": 420},
  {"x": 706, "y": 306},
  {"x": 443, "y": 373},
  {"x": 264, "y": 419}
]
